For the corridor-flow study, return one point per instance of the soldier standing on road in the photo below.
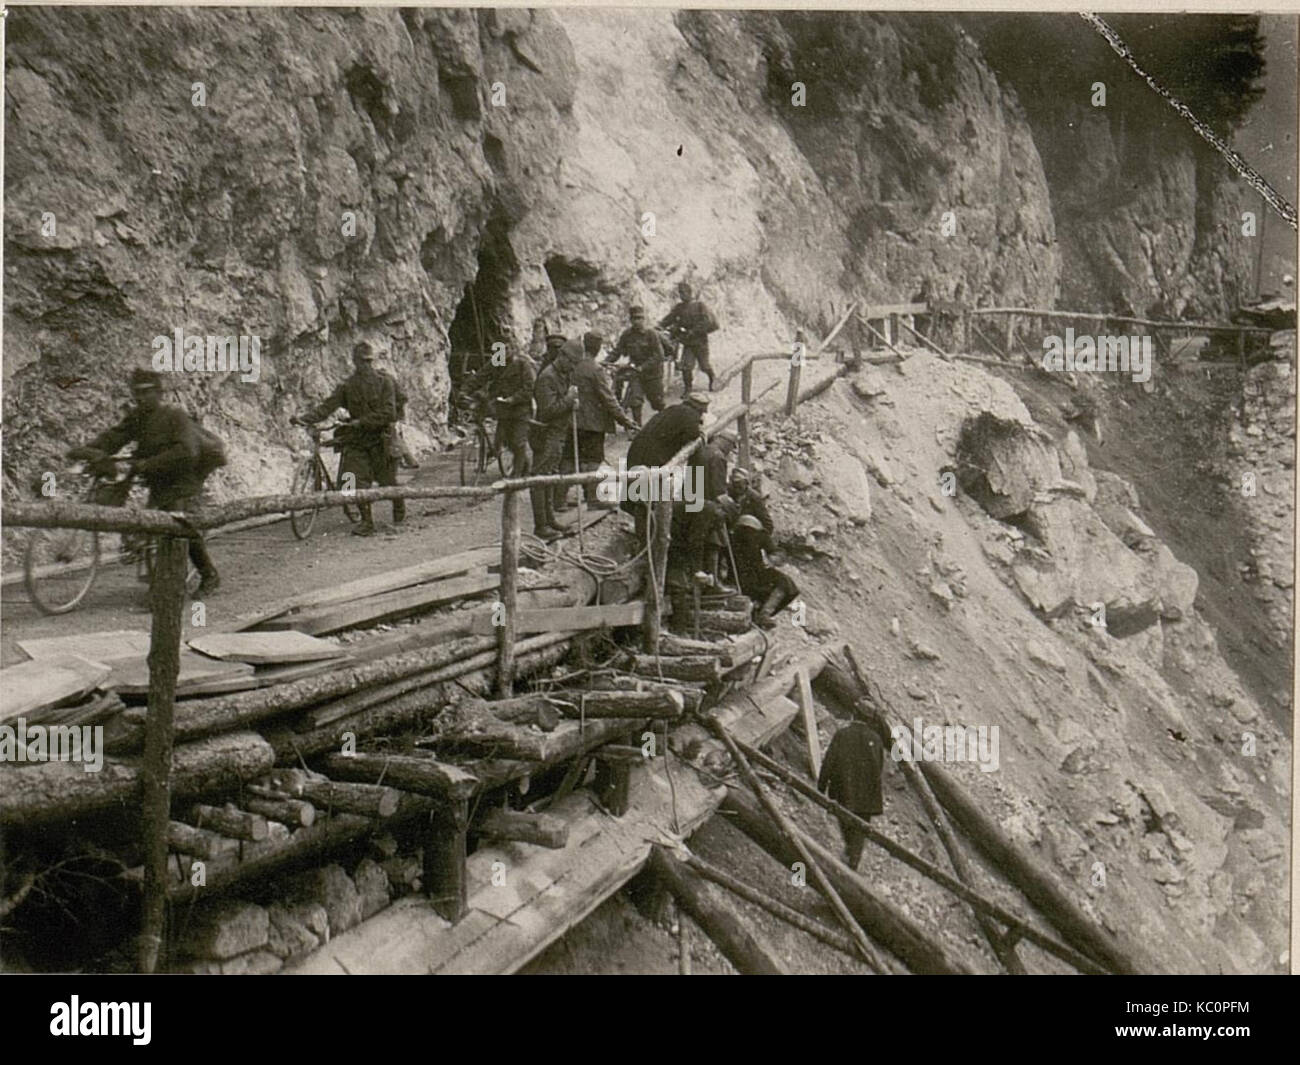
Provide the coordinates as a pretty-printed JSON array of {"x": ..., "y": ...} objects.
[
  {"x": 556, "y": 400},
  {"x": 641, "y": 346},
  {"x": 369, "y": 452},
  {"x": 690, "y": 323},
  {"x": 170, "y": 459},
  {"x": 598, "y": 410},
  {"x": 514, "y": 406}
]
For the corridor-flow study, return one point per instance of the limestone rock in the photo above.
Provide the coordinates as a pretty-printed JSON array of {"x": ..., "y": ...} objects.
[
  {"x": 372, "y": 886},
  {"x": 228, "y": 928},
  {"x": 331, "y": 888}
]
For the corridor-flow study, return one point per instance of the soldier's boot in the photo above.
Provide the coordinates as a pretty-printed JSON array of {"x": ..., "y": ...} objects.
[
  {"x": 767, "y": 612},
  {"x": 399, "y": 511},
  {"x": 209, "y": 582},
  {"x": 366, "y": 527},
  {"x": 542, "y": 524},
  {"x": 687, "y": 378}
]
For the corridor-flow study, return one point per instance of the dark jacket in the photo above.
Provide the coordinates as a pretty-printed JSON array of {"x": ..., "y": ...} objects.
[
  {"x": 690, "y": 322},
  {"x": 552, "y": 407},
  {"x": 714, "y": 460},
  {"x": 851, "y": 773},
  {"x": 167, "y": 448},
  {"x": 514, "y": 386},
  {"x": 598, "y": 410},
  {"x": 641, "y": 347},
  {"x": 370, "y": 399},
  {"x": 664, "y": 435}
]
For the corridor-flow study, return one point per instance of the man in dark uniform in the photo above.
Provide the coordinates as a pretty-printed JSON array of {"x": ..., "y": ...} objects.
[
  {"x": 665, "y": 434},
  {"x": 370, "y": 398},
  {"x": 598, "y": 410},
  {"x": 169, "y": 459},
  {"x": 748, "y": 501},
  {"x": 690, "y": 323},
  {"x": 556, "y": 400},
  {"x": 641, "y": 346},
  {"x": 706, "y": 528},
  {"x": 554, "y": 345},
  {"x": 771, "y": 588},
  {"x": 514, "y": 407},
  {"x": 851, "y": 775}
]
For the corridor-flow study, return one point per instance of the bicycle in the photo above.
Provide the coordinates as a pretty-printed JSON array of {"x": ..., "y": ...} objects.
[
  {"x": 314, "y": 476},
  {"x": 480, "y": 446},
  {"x": 60, "y": 565}
]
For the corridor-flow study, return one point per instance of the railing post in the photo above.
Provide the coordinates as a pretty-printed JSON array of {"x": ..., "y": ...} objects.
[
  {"x": 746, "y": 397},
  {"x": 661, "y": 517},
  {"x": 1011, "y": 333},
  {"x": 796, "y": 371},
  {"x": 509, "y": 592},
  {"x": 167, "y": 600}
]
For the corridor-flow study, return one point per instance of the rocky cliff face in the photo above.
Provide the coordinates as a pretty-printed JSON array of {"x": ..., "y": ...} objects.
[{"x": 350, "y": 173}]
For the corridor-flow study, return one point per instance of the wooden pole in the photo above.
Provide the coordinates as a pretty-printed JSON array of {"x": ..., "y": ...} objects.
[
  {"x": 582, "y": 492},
  {"x": 810, "y": 723},
  {"x": 792, "y": 837},
  {"x": 444, "y": 859},
  {"x": 796, "y": 371},
  {"x": 740, "y": 946},
  {"x": 658, "y": 529},
  {"x": 510, "y": 588},
  {"x": 746, "y": 397},
  {"x": 167, "y": 600}
]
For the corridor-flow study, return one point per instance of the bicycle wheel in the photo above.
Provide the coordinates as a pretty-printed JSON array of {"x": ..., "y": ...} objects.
[
  {"x": 306, "y": 480},
  {"x": 59, "y": 568}
]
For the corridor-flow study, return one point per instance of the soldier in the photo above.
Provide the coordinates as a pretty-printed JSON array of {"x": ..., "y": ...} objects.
[
  {"x": 706, "y": 528},
  {"x": 641, "y": 346},
  {"x": 554, "y": 344},
  {"x": 748, "y": 501},
  {"x": 660, "y": 439},
  {"x": 514, "y": 407},
  {"x": 851, "y": 775},
  {"x": 556, "y": 400},
  {"x": 766, "y": 585},
  {"x": 690, "y": 323},
  {"x": 170, "y": 458},
  {"x": 370, "y": 398},
  {"x": 598, "y": 410}
]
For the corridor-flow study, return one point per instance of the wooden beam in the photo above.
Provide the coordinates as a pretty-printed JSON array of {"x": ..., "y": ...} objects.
[
  {"x": 567, "y": 618},
  {"x": 167, "y": 598},
  {"x": 543, "y": 830},
  {"x": 809, "y": 710},
  {"x": 659, "y": 524},
  {"x": 414, "y": 773},
  {"x": 387, "y": 607},
  {"x": 738, "y": 943},
  {"x": 445, "y": 881},
  {"x": 230, "y": 821},
  {"x": 746, "y": 397}
]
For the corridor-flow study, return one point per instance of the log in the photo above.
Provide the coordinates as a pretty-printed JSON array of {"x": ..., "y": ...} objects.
[
  {"x": 724, "y": 622},
  {"x": 367, "y": 800},
  {"x": 230, "y": 821},
  {"x": 509, "y": 592},
  {"x": 793, "y": 837},
  {"x": 612, "y": 784},
  {"x": 200, "y": 842},
  {"x": 544, "y": 830},
  {"x": 790, "y": 916},
  {"x": 658, "y": 533},
  {"x": 53, "y": 791},
  {"x": 421, "y": 775},
  {"x": 664, "y": 703},
  {"x": 355, "y": 703},
  {"x": 539, "y": 652},
  {"x": 295, "y": 813},
  {"x": 167, "y": 598},
  {"x": 539, "y": 710},
  {"x": 200, "y": 717},
  {"x": 1038, "y": 885},
  {"x": 479, "y": 731},
  {"x": 678, "y": 667},
  {"x": 1017, "y": 924},
  {"x": 692, "y": 694},
  {"x": 739, "y": 944},
  {"x": 899, "y": 934},
  {"x": 731, "y": 653},
  {"x": 445, "y": 879}
]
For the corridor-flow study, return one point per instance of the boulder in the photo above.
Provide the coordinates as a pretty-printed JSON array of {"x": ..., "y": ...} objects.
[
  {"x": 331, "y": 888},
  {"x": 224, "y": 930},
  {"x": 296, "y": 929},
  {"x": 372, "y": 886}
]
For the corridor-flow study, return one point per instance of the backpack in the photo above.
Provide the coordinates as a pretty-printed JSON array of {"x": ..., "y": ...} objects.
[{"x": 212, "y": 452}]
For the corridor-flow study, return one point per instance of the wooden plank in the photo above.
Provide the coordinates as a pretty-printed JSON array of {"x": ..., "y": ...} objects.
[
  {"x": 386, "y": 607},
  {"x": 48, "y": 682},
  {"x": 546, "y": 892},
  {"x": 564, "y": 619},
  {"x": 265, "y": 648},
  {"x": 92, "y": 646},
  {"x": 131, "y": 676},
  {"x": 810, "y": 722},
  {"x": 389, "y": 581}
]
